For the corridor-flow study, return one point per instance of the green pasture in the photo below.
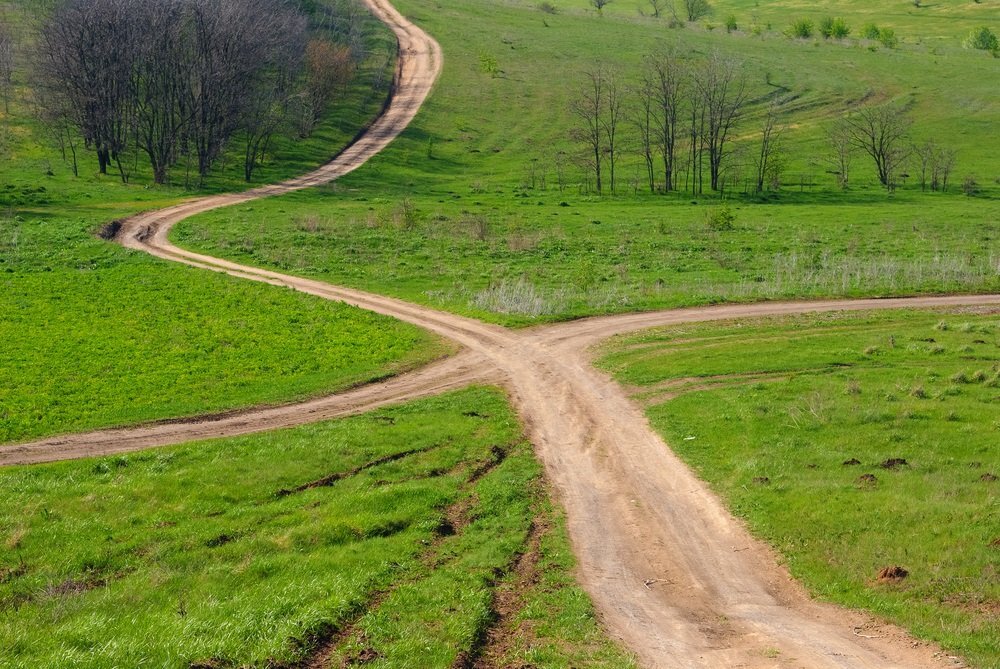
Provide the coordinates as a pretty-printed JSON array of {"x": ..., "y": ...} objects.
[{"x": 264, "y": 550}]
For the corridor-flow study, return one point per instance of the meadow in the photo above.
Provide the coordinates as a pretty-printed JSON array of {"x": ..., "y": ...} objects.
[
  {"x": 859, "y": 442},
  {"x": 483, "y": 206},
  {"x": 344, "y": 542},
  {"x": 97, "y": 336}
]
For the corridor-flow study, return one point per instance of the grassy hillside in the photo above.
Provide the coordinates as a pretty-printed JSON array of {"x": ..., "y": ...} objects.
[
  {"x": 465, "y": 211},
  {"x": 341, "y": 540},
  {"x": 858, "y": 442},
  {"x": 96, "y": 336}
]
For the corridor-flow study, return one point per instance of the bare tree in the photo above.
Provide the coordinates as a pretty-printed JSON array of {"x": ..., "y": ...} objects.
[
  {"x": 666, "y": 77},
  {"x": 925, "y": 154},
  {"x": 7, "y": 51},
  {"x": 264, "y": 115},
  {"x": 599, "y": 5},
  {"x": 589, "y": 108},
  {"x": 944, "y": 163},
  {"x": 644, "y": 119},
  {"x": 839, "y": 136},
  {"x": 86, "y": 54},
  {"x": 329, "y": 68},
  {"x": 768, "y": 159},
  {"x": 881, "y": 133},
  {"x": 657, "y": 7},
  {"x": 722, "y": 86},
  {"x": 611, "y": 121},
  {"x": 696, "y": 9}
]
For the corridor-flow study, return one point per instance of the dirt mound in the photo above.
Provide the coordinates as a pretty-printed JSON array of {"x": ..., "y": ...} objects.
[
  {"x": 894, "y": 573},
  {"x": 988, "y": 477},
  {"x": 851, "y": 462},
  {"x": 893, "y": 463},
  {"x": 867, "y": 479},
  {"x": 761, "y": 480},
  {"x": 995, "y": 543}
]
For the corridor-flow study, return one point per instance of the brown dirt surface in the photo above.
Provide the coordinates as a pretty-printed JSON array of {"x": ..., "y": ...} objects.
[
  {"x": 894, "y": 573},
  {"x": 636, "y": 514},
  {"x": 893, "y": 463},
  {"x": 852, "y": 462}
]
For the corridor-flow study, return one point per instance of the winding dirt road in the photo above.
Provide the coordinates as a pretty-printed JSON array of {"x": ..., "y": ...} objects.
[{"x": 673, "y": 574}]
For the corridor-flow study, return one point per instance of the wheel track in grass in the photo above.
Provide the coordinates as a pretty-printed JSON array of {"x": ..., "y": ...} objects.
[{"x": 672, "y": 574}]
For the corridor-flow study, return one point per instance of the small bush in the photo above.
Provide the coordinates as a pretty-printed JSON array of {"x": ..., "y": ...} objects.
[
  {"x": 802, "y": 29},
  {"x": 720, "y": 219},
  {"x": 887, "y": 36},
  {"x": 548, "y": 8},
  {"x": 732, "y": 26},
  {"x": 984, "y": 39},
  {"x": 970, "y": 186},
  {"x": 871, "y": 31},
  {"x": 488, "y": 64},
  {"x": 840, "y": 29}
]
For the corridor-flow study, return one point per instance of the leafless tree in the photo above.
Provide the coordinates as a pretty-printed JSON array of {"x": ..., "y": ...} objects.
[
  {"x": 839, "y": 136},
  {"x": 329, "y": 69},
  {"x": 944, "y": 163},
  {"x": 657, "y": 7},
  {"x": 925, "y": 154},
  {"x": 86, "y": 52},
  {"x": 599, "y": 5},
  {"x": 611, "y": 121},
  {"x": 274, "y": 89},
  {"x": 768, "y": 158},
  {"x": 880, "y": 131},
  {"x": 7, "y": 51},
  {"x": 722, "y": 86},
  {"x": 666, "y": 76},
  {"x": 644, "y": 119},
  {"x": 589, "y": 108},
  {"x": 696, "y": 9}
]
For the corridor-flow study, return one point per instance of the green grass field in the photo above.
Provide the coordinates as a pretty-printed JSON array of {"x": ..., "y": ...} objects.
[
  {"x": 465, "y": 211},
  {"x": 97, "y": 336},
  {"x": 799, "y": 442},
  {"x": 351, "y": 536}
]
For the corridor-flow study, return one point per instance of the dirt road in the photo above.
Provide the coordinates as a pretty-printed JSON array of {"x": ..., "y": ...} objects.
[{"x": 671, "y": 572}]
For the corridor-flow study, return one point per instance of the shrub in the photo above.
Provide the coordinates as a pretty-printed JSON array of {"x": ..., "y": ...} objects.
[
  {"x": 720, "y": 219},
  {"x": 984, "y": 39},
  {"x": 970, "y": 186},
  {"x": 871, "y": 31},
  {"x": 548, "y": 8},
  {"x": 826, "y": 27},
  {"x": 802, "y": 29},
  {"x": 732, "y": 26},
  {"x": 840, "y": 29},
  {"x": 887, "y": 36}
]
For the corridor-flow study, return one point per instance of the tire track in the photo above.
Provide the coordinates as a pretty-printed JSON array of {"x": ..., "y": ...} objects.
[{"x": 672, "y": 573}]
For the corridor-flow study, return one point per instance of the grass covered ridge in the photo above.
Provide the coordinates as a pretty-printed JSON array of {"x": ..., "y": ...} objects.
[
  {"x": 859, "y": 442},
  {"x": 386, "y": 536}
]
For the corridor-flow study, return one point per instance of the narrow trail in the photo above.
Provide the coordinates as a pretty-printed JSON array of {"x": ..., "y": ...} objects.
[{"x": 672, "y": 573}]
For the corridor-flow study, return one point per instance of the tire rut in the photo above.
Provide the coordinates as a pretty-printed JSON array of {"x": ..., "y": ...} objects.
[{"x": 672, "y": 573}]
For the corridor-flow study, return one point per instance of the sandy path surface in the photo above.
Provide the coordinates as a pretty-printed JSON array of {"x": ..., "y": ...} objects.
[{"x": 672, "y": 573}]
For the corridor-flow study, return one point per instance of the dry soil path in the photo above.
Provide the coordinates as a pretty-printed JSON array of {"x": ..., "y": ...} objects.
[{"x": 671, "y": 572}]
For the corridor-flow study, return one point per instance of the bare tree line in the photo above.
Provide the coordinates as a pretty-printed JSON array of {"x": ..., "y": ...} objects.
[
  {"x": 676, "y": 100},
  {"x": 180, "y": 80},
  {"x": 682, "y": 116}
]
